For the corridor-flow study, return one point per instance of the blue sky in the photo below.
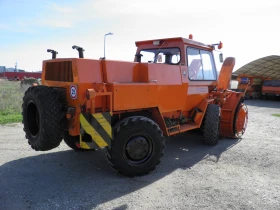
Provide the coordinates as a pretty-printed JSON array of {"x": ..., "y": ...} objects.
[{"x": 248, "y": 29}]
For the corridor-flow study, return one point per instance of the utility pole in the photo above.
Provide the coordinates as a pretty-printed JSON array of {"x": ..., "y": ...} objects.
[
  {"x": 15, "y": 67},
  {"x": 105, "y": 41}
]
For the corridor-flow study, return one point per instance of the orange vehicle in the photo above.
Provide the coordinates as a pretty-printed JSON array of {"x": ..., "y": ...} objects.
[
  {"x": 270, "y": 88},
  {"x": 254, "y": 89},
  {"x": 129, "y": 108}
]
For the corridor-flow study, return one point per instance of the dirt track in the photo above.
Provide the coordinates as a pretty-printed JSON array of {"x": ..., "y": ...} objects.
[{"x": 232, "y": 175}]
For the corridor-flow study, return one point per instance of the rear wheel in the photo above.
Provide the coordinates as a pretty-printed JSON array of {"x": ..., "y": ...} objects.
[
  {"x": 137, "y": 147},
  {"x": 211, "y": 125},
  {"x": 43, "y": 114}
]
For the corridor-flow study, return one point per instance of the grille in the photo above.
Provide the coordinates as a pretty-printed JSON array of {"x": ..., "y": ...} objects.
[{"x": 59, "y": 71}]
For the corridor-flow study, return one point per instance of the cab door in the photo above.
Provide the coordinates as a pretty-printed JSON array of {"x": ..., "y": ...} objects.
[{"x": 201, "y": 75}]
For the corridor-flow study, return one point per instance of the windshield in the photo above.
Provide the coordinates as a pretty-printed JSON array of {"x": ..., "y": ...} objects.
[{"x": 163, "y": 55}]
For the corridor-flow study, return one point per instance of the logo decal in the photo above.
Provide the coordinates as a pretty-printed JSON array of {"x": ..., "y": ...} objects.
[{"x": 73, "y": 91}]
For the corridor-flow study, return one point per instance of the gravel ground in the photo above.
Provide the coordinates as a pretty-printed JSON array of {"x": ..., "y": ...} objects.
[{"x": 235, "y": 174}]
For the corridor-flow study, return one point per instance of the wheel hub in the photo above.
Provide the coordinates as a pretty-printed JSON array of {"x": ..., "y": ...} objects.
[{"x": 137, "y": 148}]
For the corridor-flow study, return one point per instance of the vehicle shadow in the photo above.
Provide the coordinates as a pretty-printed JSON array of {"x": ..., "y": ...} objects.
[{"x": 84, "y": 180}]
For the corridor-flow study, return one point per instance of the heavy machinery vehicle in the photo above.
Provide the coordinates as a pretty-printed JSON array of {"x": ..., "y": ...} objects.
[
  {"x": 129, "y": 108},
  {"x": 255, "y": 86},
  {"x": 270, "y": 88}
]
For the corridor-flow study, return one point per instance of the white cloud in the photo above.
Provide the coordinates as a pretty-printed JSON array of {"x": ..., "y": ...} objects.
[
  {"x": 61, "y": 9},
  {"x": 4, "y": 27},
  {"x": 57, "y": 23}
]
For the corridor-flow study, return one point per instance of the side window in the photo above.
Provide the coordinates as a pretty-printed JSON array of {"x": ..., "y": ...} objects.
[
  {"x": 201, "y": 65},
  {"x": 147, "y": 56}
]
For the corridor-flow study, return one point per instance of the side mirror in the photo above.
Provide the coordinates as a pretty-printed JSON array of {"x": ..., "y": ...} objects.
[{"x": 221, "y": 57}]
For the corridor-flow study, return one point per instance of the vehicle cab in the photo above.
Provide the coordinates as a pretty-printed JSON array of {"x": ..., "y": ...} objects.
[{"x": 195, "y": 59}]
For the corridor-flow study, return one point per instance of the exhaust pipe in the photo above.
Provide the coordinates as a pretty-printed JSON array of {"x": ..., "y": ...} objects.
[
  {"x": 80, "y": 50},
  {"x": 53, "y": 52}
]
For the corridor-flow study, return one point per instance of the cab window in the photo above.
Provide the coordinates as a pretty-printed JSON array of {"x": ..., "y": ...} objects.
[
  {"x": 201, "y": 64},
  {"x": 163, "y": 55}
]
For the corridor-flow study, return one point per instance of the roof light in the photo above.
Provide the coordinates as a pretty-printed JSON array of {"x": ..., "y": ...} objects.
[
  {"x": 190, "y": 36},
  {"x": 220, "y": 46},
  {"x": 156, "y": 42}
]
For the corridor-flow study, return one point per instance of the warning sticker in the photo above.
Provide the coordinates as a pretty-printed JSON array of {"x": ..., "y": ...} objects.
[{"x": 73, "y": 91}]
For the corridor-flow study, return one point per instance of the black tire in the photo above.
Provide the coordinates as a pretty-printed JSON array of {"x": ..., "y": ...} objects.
[
  {"x": 212, "y": 125},
  {"x": 137, "y": 146},
  {"x": 43, "y": 111}
]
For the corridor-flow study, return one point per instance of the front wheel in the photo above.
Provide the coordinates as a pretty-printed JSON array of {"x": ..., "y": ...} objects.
[
  {"x": 212, "y": 125},
  {"x": 137, "y": 147}
]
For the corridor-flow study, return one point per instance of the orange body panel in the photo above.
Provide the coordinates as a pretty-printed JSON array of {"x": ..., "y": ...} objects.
[
  {"x": 228, "y": 114},
  {"x": 225, "y": 75}
]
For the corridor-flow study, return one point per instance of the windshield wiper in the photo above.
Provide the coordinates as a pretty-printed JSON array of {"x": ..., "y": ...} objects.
[{"x": 158, "y": 51}]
